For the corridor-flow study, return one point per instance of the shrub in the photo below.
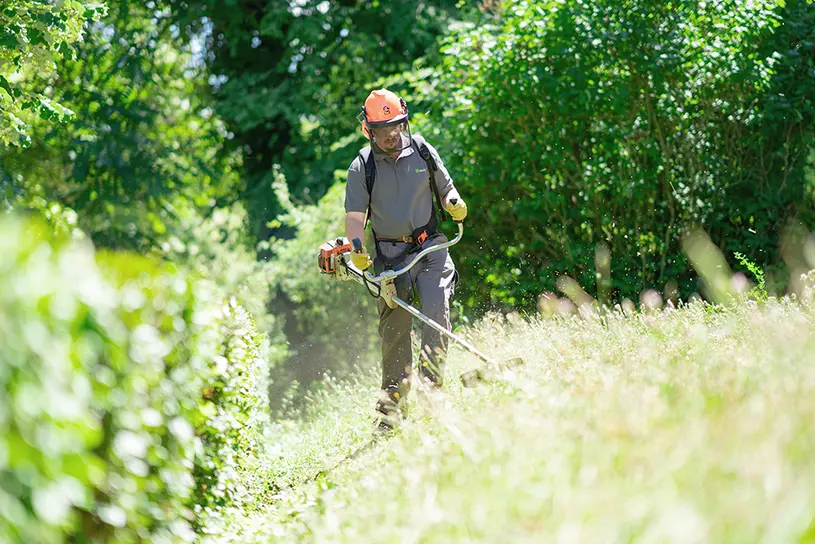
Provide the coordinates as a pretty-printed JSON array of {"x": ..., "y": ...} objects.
[
  {"x": 104, "y": 368},
  {"x": 329, "y": 325},
  {"x": 573, "y": 126},
  {"x": 217, "y": 247},
  {"x": 237, "y": 409}
]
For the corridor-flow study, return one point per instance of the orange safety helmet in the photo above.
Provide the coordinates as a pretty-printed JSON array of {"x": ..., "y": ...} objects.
[{"x": 383, "y": 110}]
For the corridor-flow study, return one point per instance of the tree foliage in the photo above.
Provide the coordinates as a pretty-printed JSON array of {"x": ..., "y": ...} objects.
[
  {"x": 142, "y": 143},
  {"x": 577, "y": 127},
  {"x": 32, "y": 35},
  {"x": 289, "y": 79}
]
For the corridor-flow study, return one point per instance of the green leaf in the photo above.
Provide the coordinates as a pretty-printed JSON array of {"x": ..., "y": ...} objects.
[
  {"x": 4, "y": 84},
  {"x": 7, "y": 40},
  {"x": 35, "y": 36}
]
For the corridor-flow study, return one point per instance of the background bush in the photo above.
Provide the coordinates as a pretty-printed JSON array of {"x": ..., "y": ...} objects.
[
  {"x": 328, "y": 325},
  {"x": 574, "y": 126}
]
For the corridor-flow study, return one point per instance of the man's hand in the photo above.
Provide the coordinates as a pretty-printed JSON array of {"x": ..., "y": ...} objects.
[
  {"x": 360, "y": 259},
  {"x": 457, "y": 211}
]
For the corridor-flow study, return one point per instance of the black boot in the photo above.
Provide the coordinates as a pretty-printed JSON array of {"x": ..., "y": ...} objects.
[{"x": 391, "y": 409}]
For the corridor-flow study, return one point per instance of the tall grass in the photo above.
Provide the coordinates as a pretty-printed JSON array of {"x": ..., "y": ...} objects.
[{"x": 680, "y": 425}]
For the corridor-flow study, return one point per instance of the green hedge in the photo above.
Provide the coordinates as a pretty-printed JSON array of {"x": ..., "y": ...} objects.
[
  {"x": 216, "y": 246},
  {"x": 237, "y": 409},
  {"x": 107, "y": 363}
]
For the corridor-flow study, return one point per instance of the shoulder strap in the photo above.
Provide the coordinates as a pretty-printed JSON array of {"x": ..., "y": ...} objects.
[
  {"x": 424, "y": 153},
  {"x": 370, "y": 167},
  {"x": 370, "y": 176},
  {"x": 421, "y": 145}
]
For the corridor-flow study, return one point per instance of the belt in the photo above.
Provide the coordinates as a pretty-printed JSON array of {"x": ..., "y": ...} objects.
[{"x": 406, "y": 239}]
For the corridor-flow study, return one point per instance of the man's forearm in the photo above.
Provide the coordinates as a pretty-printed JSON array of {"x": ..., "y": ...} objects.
[{"x": 355, "y": 225}]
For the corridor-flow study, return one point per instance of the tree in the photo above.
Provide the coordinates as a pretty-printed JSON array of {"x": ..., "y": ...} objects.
[
  {"x": 141, "y": 140},
  {"x": 33, "y": 34},
  {"x": 289, "y": 79}
]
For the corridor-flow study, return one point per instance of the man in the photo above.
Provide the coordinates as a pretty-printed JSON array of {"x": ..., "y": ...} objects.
[{"x": 392, "y": 182}]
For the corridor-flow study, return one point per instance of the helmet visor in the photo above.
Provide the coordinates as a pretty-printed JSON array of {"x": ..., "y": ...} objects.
[{"x": 391, "y": 139}]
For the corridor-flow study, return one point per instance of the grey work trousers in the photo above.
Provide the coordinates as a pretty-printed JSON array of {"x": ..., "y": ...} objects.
[{"x": 434, "y": 278}]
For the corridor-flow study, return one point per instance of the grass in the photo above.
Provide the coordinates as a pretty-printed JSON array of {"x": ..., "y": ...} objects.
[{"x": 689, "y": 425}]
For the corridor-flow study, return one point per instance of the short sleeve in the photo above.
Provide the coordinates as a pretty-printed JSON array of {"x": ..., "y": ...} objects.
[{"x": 356, "y": 190}]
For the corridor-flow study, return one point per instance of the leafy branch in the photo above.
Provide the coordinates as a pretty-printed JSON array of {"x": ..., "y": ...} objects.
[{"x": 33, "y": 35}]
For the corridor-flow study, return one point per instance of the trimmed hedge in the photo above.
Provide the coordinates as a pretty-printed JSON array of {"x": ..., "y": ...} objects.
[
  {"x": 237, "y": 408},
  {"x": 107, "y": 366}
]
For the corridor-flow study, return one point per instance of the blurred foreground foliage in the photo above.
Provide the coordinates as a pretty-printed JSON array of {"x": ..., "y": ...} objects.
[{"x": 136, "y": 395}]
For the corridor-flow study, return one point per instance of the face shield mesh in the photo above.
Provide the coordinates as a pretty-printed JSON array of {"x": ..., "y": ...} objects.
[{"x": 393, "y": 138}]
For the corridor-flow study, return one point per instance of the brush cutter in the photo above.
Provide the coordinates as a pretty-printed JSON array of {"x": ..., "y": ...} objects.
[{"x": 335, "y": 259}]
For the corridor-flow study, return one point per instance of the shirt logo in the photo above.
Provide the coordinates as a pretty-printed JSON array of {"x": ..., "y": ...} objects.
[{"x": 419, "y": 170}]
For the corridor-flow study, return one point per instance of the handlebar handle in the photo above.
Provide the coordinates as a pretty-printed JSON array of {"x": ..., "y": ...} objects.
[{"x": 389, "y": 274}]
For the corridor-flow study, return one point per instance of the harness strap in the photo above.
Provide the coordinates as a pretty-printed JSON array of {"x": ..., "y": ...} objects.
[
  {"x": 404, "y": 239},
  {"x": 420, "y": 144},
  {"x": 369, "y": 163}
]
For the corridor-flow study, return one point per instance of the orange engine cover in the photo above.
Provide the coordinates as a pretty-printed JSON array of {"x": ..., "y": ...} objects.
[{"x": 329, "y": 251}]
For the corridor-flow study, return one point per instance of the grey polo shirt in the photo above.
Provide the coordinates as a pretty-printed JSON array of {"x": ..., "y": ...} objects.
[{"x": 402, "y": 200}]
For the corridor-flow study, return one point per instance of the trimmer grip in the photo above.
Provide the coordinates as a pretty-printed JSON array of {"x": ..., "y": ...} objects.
[
  {"x": 454, "y": 201},
  {"x": 357, "y": 244}
]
